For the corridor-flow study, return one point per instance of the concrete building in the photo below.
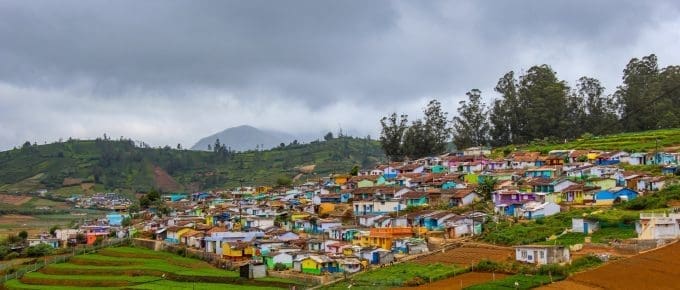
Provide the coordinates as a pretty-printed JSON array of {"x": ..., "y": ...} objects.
[{"x": 542, "y": 254}]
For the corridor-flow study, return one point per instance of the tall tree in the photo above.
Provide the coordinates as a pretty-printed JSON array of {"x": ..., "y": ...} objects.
[
  {"x": 599, "y": 111},
  {"x": 437, "y": 128},
  {"x": 669, "y": 98},
  {"x": 506, "y": 113},
  {"x": 393, "y": 128},
  {"x": 415, "y": 144},
  {"x": 637, "y": 94},
  {"x": 471, "y": 126},
  {"x": 542, "y": 97}
]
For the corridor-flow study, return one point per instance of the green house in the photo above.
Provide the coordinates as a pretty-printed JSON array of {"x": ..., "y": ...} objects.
[
  {"x": 438, "y": 169},
  {"x": 365, "y": 183}
]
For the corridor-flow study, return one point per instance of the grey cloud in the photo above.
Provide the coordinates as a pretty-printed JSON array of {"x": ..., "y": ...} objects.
[{"x": 371, "y": 56}]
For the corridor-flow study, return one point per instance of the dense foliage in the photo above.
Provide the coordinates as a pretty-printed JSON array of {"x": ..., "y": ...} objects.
[
  {"x": 538, "y": 105},
  {"x": 122, "y": 164},
  {"x": 424, "y": 137}
]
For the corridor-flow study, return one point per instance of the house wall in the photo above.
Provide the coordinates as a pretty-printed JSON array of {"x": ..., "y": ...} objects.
[
  {"x": 310, "y": 266},
  {"x": 542, "y": 256}
]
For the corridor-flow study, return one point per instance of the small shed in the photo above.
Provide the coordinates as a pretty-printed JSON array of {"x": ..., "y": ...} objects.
[
  {"x": 253, "y": 271},
  {"x": 585, "y": 226}
]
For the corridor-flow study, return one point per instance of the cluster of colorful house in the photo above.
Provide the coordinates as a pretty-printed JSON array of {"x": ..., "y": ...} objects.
[{"x": 344, "y": 223}]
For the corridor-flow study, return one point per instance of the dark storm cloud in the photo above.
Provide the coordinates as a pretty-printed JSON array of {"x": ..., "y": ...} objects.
[{"x": 124, "y": 66}]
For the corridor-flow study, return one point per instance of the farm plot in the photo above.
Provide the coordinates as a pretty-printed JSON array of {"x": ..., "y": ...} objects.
[
  {"x": 134, "y": 268},
  {"x": 464, "y": 280},
  {"x": 467, "y": 255},
  {"x": 658, "y": 269},
  {"x": 14, "y": 199}
]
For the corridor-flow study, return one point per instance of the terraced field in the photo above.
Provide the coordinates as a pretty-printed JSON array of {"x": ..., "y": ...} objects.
[
  {"x": 631, "y": 142},
  {"x": 134, "y": 268}
]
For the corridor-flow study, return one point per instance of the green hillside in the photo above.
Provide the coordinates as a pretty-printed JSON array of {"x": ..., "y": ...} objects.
[
  {"x": 122, "y": 165},
  {"x": 630, "y": 142}
]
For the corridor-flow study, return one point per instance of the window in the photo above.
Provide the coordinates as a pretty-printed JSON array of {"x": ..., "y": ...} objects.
[
  {"x": 524, "y": 254},
  {"x": 542, "y": 254}
]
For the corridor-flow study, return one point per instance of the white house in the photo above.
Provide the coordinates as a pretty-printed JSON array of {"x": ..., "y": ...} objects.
[
  {"x": 376, "y": 206},
  {"x": 477, "y": 151},
  {"x": 652, "y": 226},
  {"x": 349, "y": 265},
  {"x": 282, "y": 258},
  {"x": 369, "y": 220},
  {"x": 542, "y": 254},
  {"x": 533, "y": 210},
  {"x": 563, "y": 184},
  {"x": 585, "y": 226}
]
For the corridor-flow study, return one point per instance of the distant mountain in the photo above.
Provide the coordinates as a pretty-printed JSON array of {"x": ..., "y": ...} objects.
[
  {"x": 114, "y": 164},
  {"x": 244, "y": 138}
]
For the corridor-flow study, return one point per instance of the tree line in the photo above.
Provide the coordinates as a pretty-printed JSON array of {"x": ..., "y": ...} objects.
[{"x": 537, "y": 105}]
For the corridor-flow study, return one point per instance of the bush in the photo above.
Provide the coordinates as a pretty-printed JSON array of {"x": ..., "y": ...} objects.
[
  {"x": 490, "y": 266},
  {"x": 12, "y": 255},
  {"x": 39, "y": 250},
  {"x": 98, "y": 241},
  {"x": 280, "y": 267},
  {"x": 553, "y": 269},
  {"x": 583, "y": 263},
  {"x": 416, "y": 281}
]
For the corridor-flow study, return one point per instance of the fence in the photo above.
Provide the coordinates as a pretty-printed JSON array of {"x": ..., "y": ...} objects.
[{"x": 47, "y": 260}]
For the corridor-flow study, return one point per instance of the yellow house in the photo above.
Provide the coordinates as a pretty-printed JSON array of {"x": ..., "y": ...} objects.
[
  {"x": 326, "y": 207},
  {"x": 573, "y": 194},
  {"x": 592, "y": 155},
  {"x": 209, "y": 219},
  {"x": 348, "y": 251},
  {"x": 340, "y": 179},
  {"x": 174, "y": 234},
  {"x": 262, "y": 189},
  {"x": 237, "y": 251},
  {"x": 298, "y": 216}
]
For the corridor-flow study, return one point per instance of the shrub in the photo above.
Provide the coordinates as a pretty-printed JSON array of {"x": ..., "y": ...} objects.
[
  {"x": 280, "y": 267},
  {"x": 553, "y": 269},
  {"x": 39, "y": 250},
  {"x": 490, "y": 266},
  {"x": 98, "y": 241},
  {"x": 12, "y": 255},
  {"x": 416, "y": 281},
  {"x": 585, "y": 262}
]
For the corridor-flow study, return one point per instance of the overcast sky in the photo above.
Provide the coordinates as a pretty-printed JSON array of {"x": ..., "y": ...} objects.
[{"x": 170, "y": 72}]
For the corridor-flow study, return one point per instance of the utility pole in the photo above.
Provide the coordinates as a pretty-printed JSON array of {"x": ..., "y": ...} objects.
[{"x": 239, "y": 201}]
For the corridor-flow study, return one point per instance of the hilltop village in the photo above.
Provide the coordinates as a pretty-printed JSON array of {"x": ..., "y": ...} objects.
[{"x": 343, "y": 223}]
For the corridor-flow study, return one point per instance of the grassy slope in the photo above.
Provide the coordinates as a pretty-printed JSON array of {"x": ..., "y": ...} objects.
[
  {"x": 616, "y": 224},
  {"x": 134, "y": 268},
  {"x": 121, "y": 165},
  {"x": 631, "y": 142}
]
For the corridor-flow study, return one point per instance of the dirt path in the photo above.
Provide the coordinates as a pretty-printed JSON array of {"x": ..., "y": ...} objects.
[
  {"x": 657, "y": 269},
  {"x": 465, "y": 280}
]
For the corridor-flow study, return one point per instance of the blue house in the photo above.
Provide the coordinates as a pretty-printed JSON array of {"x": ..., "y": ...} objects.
[
  {"x": 414, "y": 198},
  {"x": 663, "y": 158},
  {"x": 175, "y": 197},
  {"x": 541, "y": 172},
  {"x": 449, "y": 184},
  {"x": 609, "y": 196},
  {"x": 115, "y": 219},
  {"x": 200, "y": 196},
  {"x": 669, "y": 169}
]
